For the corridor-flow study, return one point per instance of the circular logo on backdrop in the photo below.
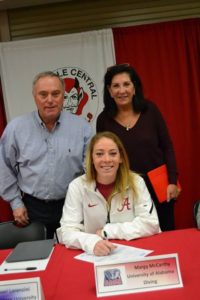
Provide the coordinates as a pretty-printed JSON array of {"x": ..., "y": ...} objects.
[{"x": 81, "y": 95}]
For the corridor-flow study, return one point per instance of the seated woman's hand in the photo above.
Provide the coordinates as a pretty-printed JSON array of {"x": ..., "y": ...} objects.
[{"x": 103, "y": 247}]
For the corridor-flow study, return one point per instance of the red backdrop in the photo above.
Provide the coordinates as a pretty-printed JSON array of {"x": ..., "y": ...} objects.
[
  {"x": 167, "y": 58},
  {"x": 5, "y": 210}
]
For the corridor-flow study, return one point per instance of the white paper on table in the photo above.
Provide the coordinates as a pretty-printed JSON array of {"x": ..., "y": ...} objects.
[
  {"x": 120, "y": 253},
  {"x": 40, "y": 264}
]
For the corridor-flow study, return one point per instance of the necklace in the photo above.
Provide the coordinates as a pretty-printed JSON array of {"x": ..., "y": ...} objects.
[{"x": 128, "y": 126}]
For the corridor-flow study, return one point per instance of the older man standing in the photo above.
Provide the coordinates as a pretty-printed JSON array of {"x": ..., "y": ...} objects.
[{"x": 40, "y": 153}]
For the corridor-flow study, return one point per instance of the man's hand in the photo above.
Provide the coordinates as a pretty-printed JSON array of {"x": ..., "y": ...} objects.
[
  {"x": 103, "y": 247},
  {"x": 21, "y": 216}
]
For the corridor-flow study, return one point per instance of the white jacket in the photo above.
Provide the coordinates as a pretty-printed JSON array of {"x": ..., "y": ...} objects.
[{"x": 85, "y": 211}]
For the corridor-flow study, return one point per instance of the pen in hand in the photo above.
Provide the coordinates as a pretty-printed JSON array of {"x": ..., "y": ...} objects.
[
  {"x": 105, "y": 237},
  {"x": 25, "y": 269}
]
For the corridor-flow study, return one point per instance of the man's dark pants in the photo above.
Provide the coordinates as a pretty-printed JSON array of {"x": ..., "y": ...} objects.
[{"x": 46, "y": 212}]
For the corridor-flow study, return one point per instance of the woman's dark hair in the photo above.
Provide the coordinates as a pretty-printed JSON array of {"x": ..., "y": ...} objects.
[{"x": 138, "y": 101}]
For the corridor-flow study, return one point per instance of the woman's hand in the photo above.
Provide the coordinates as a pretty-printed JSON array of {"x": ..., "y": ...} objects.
[
  {"x": 99, "y": 233},
  {"x": 172, "y": 192},
  {"x": 103, "y": 247}
]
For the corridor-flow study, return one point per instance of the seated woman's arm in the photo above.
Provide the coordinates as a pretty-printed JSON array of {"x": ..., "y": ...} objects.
[
  {"x": 145, "y": 220},
  {"x": 71, "y": 233}
]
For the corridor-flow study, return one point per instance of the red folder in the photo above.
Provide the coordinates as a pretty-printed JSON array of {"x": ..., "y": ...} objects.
[{"x": 159, "y": 180}]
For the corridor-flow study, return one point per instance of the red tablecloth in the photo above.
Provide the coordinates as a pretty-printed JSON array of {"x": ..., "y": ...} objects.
[
  {"x": 5, "y": 211},
  {"x": 68, "y": 278}
]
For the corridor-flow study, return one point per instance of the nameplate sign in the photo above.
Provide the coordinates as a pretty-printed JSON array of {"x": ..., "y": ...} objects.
[
  {"x": 29, "y": 288},
  {"x": 139, "y": 275}
]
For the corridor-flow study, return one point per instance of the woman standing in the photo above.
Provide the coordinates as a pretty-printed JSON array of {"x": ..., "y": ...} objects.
[
  {"x": 108, "y": 202},
  {"x": 142, "y": 129}
]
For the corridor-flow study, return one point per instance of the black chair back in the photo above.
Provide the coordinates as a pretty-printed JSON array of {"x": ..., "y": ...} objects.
[
  {"x": 12, "y": 234},
  {"x": 196, "y": 213}
]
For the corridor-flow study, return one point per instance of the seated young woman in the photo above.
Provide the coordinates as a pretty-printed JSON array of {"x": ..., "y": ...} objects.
[{"x": 108, "y": 202}]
